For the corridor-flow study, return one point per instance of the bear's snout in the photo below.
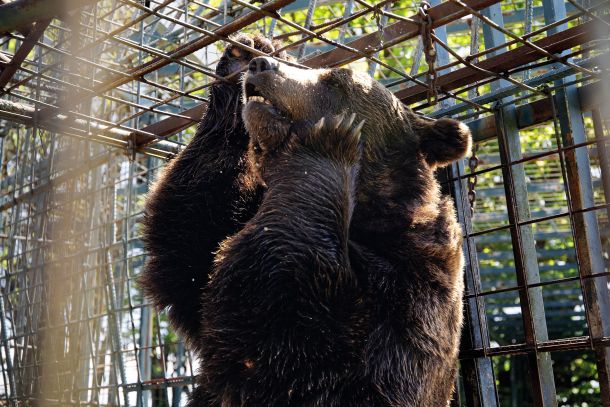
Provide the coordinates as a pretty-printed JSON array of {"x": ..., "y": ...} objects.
[{"x": 262, "y": 64}]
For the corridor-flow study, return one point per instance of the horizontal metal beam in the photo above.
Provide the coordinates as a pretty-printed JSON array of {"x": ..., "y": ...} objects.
[
  {"x": 442, "y": 14},
  {"x": 67, "y": 124},
  {"x": 29, "y": 192},
  {"x": 555, "y": 43},
  {"x": 171, "y": 125},
  {"x": 445, "y": 13},
  {"x": 553, "y": 345},
  {"x": 222, "y": 32},
  {"x": 548, "y": 77},
  {"x": 24, "y": 49},
  {"x": 534, "y": 113},
  {"x": 21, "y": 13}
]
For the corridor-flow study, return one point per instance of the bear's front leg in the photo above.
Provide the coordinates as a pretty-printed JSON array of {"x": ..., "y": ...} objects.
[
  {"x": 192, "y": 207},
  {"x": 282, "y": 311}
]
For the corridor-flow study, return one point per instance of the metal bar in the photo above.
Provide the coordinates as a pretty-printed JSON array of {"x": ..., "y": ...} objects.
[
  {"x": 519, "y": 254},
  {"x": 110, "y": 35},
  {"x": 584, "y": 225},
  {"x": 442, "y": 14},
  {"x": 181, "y": 51},
  {"x": 535, "y": 112},
  {"x": 524, "y": 41},
  {"x": 452, "y": 80},
  {"x": 531, "y": 301},
  {"x": 170, "y": 126},
  {"x": 25, "y": 114},
  {"x": 310, "y": 10},
  {"x": 560, "y": 72},
  {"x": 478, "y": 374},
  {"x": 501, "y": 63},
  {"x": 580, "y": 195},
  {"x": 442, "y": 54},
  {"x": 26, "y": 46},
  {"x": 104, "y": 216},
  {"x": 556, "y": 345},
  {"x": 603, "y": 370}
]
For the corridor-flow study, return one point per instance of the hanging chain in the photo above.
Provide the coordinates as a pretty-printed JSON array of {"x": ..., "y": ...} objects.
[
  {"x": 377, "y": 14},
  {"x": 425, "y": 30},
  {"x": 380, "y": 19},
  {"x": 473, "y": 163}
]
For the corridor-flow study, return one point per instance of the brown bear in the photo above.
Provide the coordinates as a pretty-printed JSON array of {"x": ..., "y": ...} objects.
[
  {"x": 198, "y": 200},
  {"x": 344, "y": 288}
]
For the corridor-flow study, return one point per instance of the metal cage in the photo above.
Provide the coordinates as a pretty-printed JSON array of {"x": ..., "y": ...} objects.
[{"x": 95, "y": 97}]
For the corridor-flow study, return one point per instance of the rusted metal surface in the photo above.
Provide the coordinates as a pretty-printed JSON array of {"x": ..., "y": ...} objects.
[
  {"x": 222, "y": 32},
  {"x": 26, "y": 46},
  {"x": 568, "y": 344},
  {"x": 558, "y": 42},
  {"x": 465, "y": 76},
  {"x": 87, "y": 129},
  {"x": 401, "y": 31},
  {"x": 442, "y": 14},
  {"x": 171, "y": 125},
  {"x": 531, "y": 114},
  {"x": 116, "y": 112},
  {"x": 518, "y": 255}
]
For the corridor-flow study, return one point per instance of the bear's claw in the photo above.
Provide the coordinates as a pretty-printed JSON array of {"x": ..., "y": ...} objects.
[{"x": 336, "y": 138}]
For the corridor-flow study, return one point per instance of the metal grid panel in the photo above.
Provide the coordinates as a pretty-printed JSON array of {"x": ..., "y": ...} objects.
[{"x": 96, "y": 98}]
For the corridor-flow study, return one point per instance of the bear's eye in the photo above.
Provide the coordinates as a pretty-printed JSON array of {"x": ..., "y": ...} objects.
[
  {"x": 333, "y": 81},
  {"x": 236, "y": 52},
  {"x": 336, "y": 86}
]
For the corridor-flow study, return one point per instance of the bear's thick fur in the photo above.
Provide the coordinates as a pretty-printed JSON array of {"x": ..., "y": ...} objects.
[
  {"x": 198, "y": 200},
  {"x": 343, "y": 287}
]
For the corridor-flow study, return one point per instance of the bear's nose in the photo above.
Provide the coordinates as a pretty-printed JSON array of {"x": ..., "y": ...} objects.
[{"x": 261, "y": 64}]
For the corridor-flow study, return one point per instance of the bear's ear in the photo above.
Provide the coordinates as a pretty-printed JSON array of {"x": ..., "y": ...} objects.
[{"x": 443, "y": 141}]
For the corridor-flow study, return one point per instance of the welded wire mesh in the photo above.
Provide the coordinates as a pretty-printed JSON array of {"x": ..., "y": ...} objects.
[{"x": 95, "y": 100}]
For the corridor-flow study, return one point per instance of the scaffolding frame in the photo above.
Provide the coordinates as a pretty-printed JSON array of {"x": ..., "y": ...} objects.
[{"x": 96, "y": 96}]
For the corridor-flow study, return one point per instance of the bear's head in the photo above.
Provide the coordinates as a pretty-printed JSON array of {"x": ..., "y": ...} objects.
[
  {"x": 400, "y": 150},
  {"x": 235, "y": 58},
  {"x": 223, "y": 114}
]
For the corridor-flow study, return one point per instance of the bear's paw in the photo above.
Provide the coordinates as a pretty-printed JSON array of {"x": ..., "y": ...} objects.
[{"x": 336, "y": 138}]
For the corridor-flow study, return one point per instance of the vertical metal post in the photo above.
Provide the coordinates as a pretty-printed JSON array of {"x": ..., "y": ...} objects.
[
  {"x": 311, "y": 9},
  {"x": 177, "y": 391},
  {"x": 477, "y": 374},
  {"x": 349, "y": 8},
  {"x": 601, "y": 352},
  {"x": 114, "y": 325},
  {"x": 531, "y": 301},
  {"x": 145, "y": 328},
  {"x": 526, "y": 262},
  {"x": 586, "y": 230}
]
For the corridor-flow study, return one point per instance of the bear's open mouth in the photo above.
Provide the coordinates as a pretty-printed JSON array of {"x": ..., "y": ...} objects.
[{"x": 253, "y": 95}]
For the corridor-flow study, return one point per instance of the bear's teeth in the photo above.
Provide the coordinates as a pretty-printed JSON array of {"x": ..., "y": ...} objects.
[
  {"x": 259, "y": 99},
  {"x": 256, "y": 99}
]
